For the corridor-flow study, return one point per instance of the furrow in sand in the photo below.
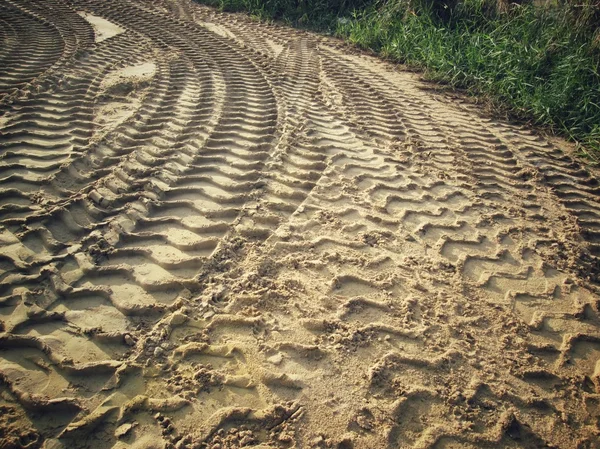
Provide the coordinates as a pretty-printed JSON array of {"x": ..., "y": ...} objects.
[
  {"x": 222, "y": 233},
  {"x": 41, "y": 43},
  {"x": 33, "y": 135},
  {"x": 26, "y": 58}
]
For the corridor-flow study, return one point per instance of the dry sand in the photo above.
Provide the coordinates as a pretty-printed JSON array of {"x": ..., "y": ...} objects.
[{"x": 217, "y": 233}]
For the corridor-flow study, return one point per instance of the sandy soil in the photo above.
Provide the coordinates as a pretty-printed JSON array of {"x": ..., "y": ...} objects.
[{"x": 220, "y": 234}]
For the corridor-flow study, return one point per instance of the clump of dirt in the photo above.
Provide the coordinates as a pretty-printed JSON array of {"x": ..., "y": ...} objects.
[{"x": 16, "y": 431}]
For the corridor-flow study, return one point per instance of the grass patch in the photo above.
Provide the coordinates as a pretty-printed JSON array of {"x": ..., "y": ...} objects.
[
  {"x": 314, "y": 14},
  {"x": 540, "y": 62}
]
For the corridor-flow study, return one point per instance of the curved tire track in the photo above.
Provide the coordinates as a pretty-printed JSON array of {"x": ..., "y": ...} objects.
[{"x": 211, "y": 227}]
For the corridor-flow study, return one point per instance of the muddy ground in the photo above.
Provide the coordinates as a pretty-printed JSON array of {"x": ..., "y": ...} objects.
[{"x": 217, "y": 233}]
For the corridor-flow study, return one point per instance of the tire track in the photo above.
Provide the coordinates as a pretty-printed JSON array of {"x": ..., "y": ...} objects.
[{"x": 222, "y": 233}]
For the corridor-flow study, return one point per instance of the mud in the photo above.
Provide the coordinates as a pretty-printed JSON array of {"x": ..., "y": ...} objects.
[{"x": 217, "y": 233}]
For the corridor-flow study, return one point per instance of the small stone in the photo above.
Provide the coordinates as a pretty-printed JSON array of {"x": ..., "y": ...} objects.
[
  {"x": 158, "y": 351},
  {"x": 165, "y": 422},
  {"x": 285, "y": 438},
  {"x": 52, "y": 444},
  {"x": 246, "y": 440},
  {"x": 177, "y": 319},
  {"x": 336, "y": 338},
  {"x": 318, "y": 440},
  {"x": 276, "y": 359},
  {"x": 129, "y": 341},
  {"x": 208, "y": 315},
  {"x": 123, "y": 430}
]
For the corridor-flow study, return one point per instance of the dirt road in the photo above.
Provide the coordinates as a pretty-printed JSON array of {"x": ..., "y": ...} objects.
[{"x": 217, "y": 233}]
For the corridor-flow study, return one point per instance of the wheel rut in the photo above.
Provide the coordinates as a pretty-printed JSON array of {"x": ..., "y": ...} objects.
[{"x": 219, "y": 233}]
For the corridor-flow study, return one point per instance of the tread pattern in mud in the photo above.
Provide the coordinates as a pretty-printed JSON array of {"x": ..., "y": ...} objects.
[{"x": 217, "y": 233}]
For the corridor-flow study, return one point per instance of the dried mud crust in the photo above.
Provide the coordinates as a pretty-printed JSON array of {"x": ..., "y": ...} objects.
[{"x": 217, "y": 233}]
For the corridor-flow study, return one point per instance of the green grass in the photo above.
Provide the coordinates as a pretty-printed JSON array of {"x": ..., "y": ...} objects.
[
  {"x": 314, "y": 14},
  {"x": 540, "y": 63}
]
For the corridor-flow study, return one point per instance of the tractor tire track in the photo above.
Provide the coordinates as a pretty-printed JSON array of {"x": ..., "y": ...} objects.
[{"x": 221, "y": 233}]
